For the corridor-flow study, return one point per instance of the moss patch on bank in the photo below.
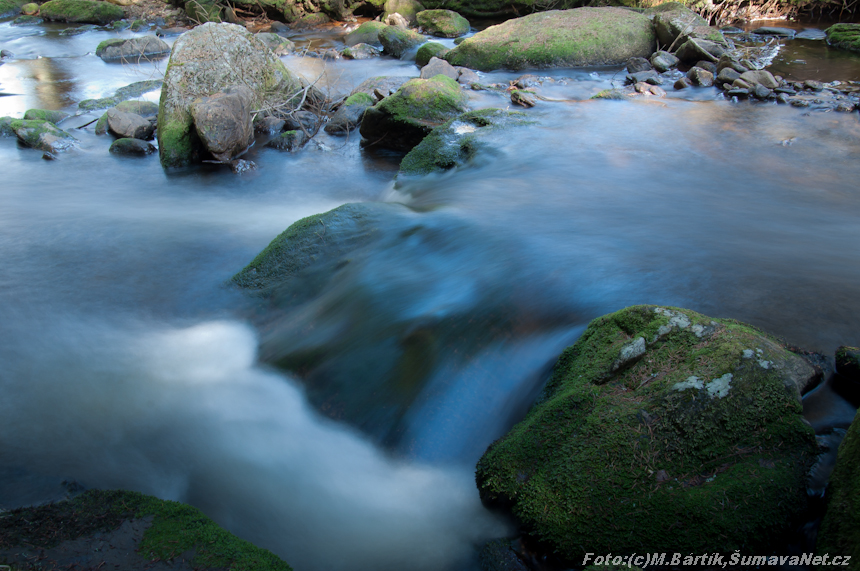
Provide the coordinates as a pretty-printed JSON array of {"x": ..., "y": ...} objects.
[
  {"x": 176, "y": 529},
  {"x": 662, "y": 430},
  {"x": 844, "y": 36},
  {"x": 840, "y": 529}
]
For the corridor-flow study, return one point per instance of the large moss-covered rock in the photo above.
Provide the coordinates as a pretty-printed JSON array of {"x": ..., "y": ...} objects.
[
  {"x": 42, "y": 135},
  {"x": 559, "y": 38},
  {"x": 443, "y": 23},
  {"x": 660, "y": 430},
  {"x": 204, "y": 61},
  {"x": 403, "y": 119},
  {"x": 45, "y": 115},
  {"x": 367, "y": 33},
  {"x": 840, "y": 529},
  {"x": 396, "y": 40},
  {"x": 168, "y": 530},
  {"x": 844, "y": 36},
  {"x": 81, "y": 11},
  {"x": 457, "y": 142},
  {"x": 428, "y": 51}
]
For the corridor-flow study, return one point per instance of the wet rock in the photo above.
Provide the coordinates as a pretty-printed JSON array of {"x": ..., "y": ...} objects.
[
  {"x": 811, "y": 34},
  {"x": 407, "y": 8},
  {"x": 367, "y": 33},
  {"x": 403, "y": 119},
  {"x": 726, "y": 61},
  {"x": 136, "y": 147},
  {"x": 813, "y": 85},
  {"x": 726, "y": 384},
  {"x": 678, "y": 24},
  {"x": 304, "y": 121},
  {"x": 143, "y": 48},
  {"x": 205, "y": 61},
  {"x": 268, "y": 125},
  {"x": 146, "y": 109},
  {"x": 42, "y": 135},
  {"x": 844, "y": 36},
  {"x": 739, "y": 92},
  {"x": 348, "y": 116},
  {"x": 848, "y": 362},
  {"x": 128, "y": 125},
  {"x": 641, "y": 76},
  {"x": 775, "y": 31},
  {"x": 707, "y": 66},
  {"x": 6, "y": 54},
  {"x": 27, "y": 21},
  {"x": 360, "y": 51},
  {"x": 612, "y": 94},
  {"x": 694, "y": 50},
  {"x": 396, "y": 41},
  {"x": 700, "y": 77},
  {"x": 782, "y": 98},
  {"x": 559, "y": 38},
  {"x": 637, "y": 64},
  {"x": 761, "y": 92},
  {"x": 839, "y": 528},
  {"x": 438, "y": 66},
  {"x": 386, "y": 85},
  {"x": 760, "y": 77},
  {"x": 428, "y": 51},
  {"x": 663, "y": 61},
  {"x": 740, "y": 83},
  {"x": 468, "y": 77},
  {"x": 443, "y": 23},
  {"x": 460, "y": 140},
  {"x": 45, "y": 115},
  {"x": 683, "y": 83},
  {"x": 727, "y": 75},
  {"x": 81, "y": 11},
  {"x": 6, "y": 129},
  {"x": 523, "y": 98},
  {"x": 223, "y": 122},
  {"x": 288, "y": 141},
  {"x": 241, "y": 166}
]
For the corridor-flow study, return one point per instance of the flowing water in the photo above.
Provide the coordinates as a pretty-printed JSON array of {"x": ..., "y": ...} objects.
[{"x": 126, "y": 359}]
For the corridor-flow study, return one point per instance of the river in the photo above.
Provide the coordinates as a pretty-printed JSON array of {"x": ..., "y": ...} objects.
[{"x": 127, "y": 360}]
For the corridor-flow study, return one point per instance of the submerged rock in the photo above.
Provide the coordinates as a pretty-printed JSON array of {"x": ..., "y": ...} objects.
[
  {"x": 559, "y": 38},
  {"x": 443, "y": 23},
  {"x": 288, "y": 141},
  {"x": 401, "y": 120},
  {"x": 204, "y": 61},
  {"x": 360, "y": 51},
  {"x": 133, "y": 49},
  {"x": 840, "y": 529},
  {"x": 81, "y": 11},
  {"x": 42, "y": 135},
  {"x": 660, "y": 419}
]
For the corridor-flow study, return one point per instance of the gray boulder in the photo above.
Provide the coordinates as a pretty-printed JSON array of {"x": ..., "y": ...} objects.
[
  {"x": 694, "y": 50},
  {"x": 304, "y": 121},
  {"x": 680, "y": 24},
  {"x": 133, "y": 49},
  {"x": 223, "y": 122},
  {"x": 128, "y": 125},
  {"x": 131, "y": 147},
  {"x": 760, "y": 77},
  {"x": 701, "y": 77},
  {"x": 384, "y": 85},
  {"x": 206, "y": 60},
  {"x": 663, "y": 61},
  {"x": 438, "y": 66}
]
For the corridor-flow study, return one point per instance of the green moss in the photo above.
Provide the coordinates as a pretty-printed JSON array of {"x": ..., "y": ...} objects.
[
  {"x": 108, "y": 43},
  {"x": 366, "y": 33},
  {"x": 844, "y": 36},
  {"x": 42, "y": 135},
  {"x": 617, "y": 457},
  {"x": 81, "y": 11},
  {"x": 45, "y": 115},
  {"x": 178, "y": 143},
  {"x": 10, "y": 7},
  {"x": 443, "y": 23},
  {"x": 451, "y": 145},
  {"x": 429, "y": 51},
  {"x": 396, "y": 41},
  {"x": 27, "y": 21},
  {"x": 360, "y": 98},
  {"x": 840, "y": 529},
  {"x": 176, "y": 528}
]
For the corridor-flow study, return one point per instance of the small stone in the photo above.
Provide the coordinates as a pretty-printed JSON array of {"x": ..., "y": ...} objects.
[
  {"x": 781, "y": 98},
  {"x": 683, "y": 83},
  {"x": 288, "y": 141},
  {"x": 727, "y": 75},
  {"x": 773, "y": 31},
  {"x": 128, "y": 125},
  {"x": 813, "y": 85},
  {"x": 701, "y": 77},
  {"x": 761, "y": 92},
  {"x": 663, "y": 61},
  {"x": 468, "y": 76},
  {"x": 738, "y": 92},
  {"x": 739, "y": 83},
  {"x": 637, "y": 64},
  {"x": 799, "y": 103},
  {"x": 707, "y": 66},
  {"x": 240, "y": 166}
]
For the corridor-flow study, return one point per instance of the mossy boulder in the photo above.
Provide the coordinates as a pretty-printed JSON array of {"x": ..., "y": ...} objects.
[
  {"x": 30, "y": 9},
  {"x": 660, "y": 430},
  {"x": 844, "y": 36},
  {"x": 401, "y": 120},
  {"x": 204, "y": 61},
  {"x": 428, "y": 51},
  {"x": 366, "y": 33},
  {"x": 278, "y": 44},
  {"x": 81, "y": 11},
  {"x": 42, "y": 135},
  {"x": 10, "y": 8},
  {"x": 171, "y": 529},
  {"x": 407, "y": 8},
  {"x": 559, "y": 38},
  {"x": 348, "y": 116},
  {"x": 45, "y": 115},
  {"x": 840, "y": 528},
  {"x": 396, "y": 40},
  {"x": 677, "y": 25},
  {"x": 457, "y": 142},
  {"x": 443, "y": 23}
]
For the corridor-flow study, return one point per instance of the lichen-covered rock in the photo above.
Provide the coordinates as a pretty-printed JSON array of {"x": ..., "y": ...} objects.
[
  {"x": 457, "y": 142},
  {"x": 443, "y": 23},
  {"x": 366, "y": 33},
  {"x": 428, "y": 51},
  {"x": 131, "y": 147},
  {"x": 396, "y": 40},
  {"x": 45, "y": 115},
  {"x": 844, "y": 36},
  {"x": 559, "y": 38},
  {"x": 204, "y": 61},
  {"x": 848, "y": 362},
  {"x": 81, "y": 11},
  {"x": 401, "y": 120},
  {"x": 223, "y": 122},
  {"x": 42, "y": 135},
  {"x": 840, "y": 528},
  {"x": 660, "y": 430},
  {"x": 663, "y": 61},
  {"x": 130, "y": 50},
  {"x": 348, "y": 116},
  {"x": 406, "y": 8}
]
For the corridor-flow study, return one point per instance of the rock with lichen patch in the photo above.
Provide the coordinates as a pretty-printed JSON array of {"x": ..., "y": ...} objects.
[
  {"x": 660, "y": 418},
  {"x": 42, "y": 135}
]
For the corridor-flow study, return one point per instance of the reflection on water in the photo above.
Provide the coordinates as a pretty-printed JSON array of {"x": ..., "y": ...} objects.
[{"x": 127, "y": 365}]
